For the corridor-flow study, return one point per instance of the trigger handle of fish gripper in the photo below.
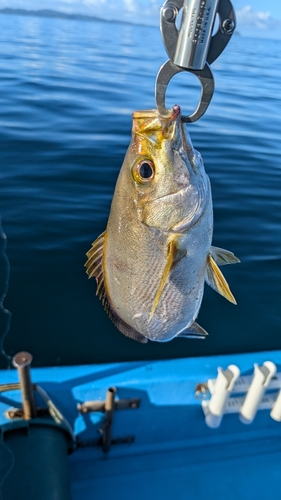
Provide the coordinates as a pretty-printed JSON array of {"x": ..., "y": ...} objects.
[{"x": 205, "y": 76}]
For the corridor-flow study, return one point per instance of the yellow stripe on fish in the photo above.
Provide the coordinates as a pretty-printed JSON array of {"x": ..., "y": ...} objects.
[{"x": 173, "y": 256}]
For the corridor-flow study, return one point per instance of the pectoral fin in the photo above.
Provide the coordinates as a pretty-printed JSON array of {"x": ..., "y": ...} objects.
[
  {"x": 222, "y": 256},
  {"x": 217, "y": 281},
  {"x": 174, "y": 255},
  {"x": 193, "y": 331}
]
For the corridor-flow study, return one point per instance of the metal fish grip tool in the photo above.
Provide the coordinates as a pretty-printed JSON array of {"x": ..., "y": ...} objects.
[{"x": 193, "y": 47}]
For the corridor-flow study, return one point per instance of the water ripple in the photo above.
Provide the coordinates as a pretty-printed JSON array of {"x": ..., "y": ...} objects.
[{"x": 68, "y": 89}]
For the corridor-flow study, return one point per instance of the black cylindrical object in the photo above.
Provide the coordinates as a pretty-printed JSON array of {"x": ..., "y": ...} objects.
[{"x": 40, "y": 470}]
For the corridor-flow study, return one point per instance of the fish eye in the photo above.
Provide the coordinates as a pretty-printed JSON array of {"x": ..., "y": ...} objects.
[{"x": 144, "y": 171}]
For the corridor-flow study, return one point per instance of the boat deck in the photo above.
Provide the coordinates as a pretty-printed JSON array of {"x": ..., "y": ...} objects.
[{"x": 162, "y": 449}]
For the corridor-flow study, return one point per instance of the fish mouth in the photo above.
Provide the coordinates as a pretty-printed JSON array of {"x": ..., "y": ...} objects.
[
  {"x": 150, "y": 125},
  {"x": 151, "y": 114},
  {"x": 175, "y": 111}
]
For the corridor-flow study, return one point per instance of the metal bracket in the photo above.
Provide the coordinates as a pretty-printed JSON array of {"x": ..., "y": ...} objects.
[
  {"x": 119, "y": 404},
  {"x": 108, "y": 407}
]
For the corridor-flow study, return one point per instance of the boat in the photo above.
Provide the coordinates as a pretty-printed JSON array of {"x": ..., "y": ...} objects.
[{"x": 193, "y": 428}]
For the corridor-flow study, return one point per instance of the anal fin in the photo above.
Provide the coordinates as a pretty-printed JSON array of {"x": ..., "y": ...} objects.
[
  {"x": 127, "y": 330},
  {"x": 217, "y": 281},
  {"x": 193, "y": 331}
]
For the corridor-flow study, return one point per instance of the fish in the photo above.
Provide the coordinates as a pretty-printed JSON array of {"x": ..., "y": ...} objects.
[{"x": 151, "y": 262}]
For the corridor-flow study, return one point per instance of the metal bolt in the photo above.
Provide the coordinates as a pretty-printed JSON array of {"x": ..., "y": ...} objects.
[
  {"x": 201, "y": 391},
  {"x": 169, "y": 12},
  {"x": 22, "y": 362},
  {"x": 228, "y": 26},
  {"x": 22, "y": 359}
]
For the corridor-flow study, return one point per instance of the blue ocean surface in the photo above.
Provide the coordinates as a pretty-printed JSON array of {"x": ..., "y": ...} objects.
[{"x": 68, "y": 89}]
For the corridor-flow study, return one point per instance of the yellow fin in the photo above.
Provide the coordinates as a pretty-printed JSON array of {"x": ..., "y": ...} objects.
[
  {"x": 217, "y": 281},
  {"x": 94, "y": 262},
  {"x": 173, "y": 256},
  {"x": 223, "y": 257}
]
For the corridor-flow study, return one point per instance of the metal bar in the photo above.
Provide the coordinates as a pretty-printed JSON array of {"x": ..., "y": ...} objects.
[
  {"x": 90, "y": 406},
  {"x": 13, "y": 387},
  {"x": 9, "y": 387},
  {"x": 99, "y": 406},
  {"x": 22, "y": 362},
  {"x": 107, "y": 426},
  {"x": 127, "y": 404}
]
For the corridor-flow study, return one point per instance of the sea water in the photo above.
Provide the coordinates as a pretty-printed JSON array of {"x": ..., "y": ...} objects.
[{"x": 68, "y": 89}]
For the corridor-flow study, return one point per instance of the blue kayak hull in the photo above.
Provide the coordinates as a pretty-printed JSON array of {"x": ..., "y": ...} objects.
[{"x": 163, "y": 449}]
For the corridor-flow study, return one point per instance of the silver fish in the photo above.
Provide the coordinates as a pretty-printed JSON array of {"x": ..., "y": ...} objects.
[{"x": 155, "y": 255}]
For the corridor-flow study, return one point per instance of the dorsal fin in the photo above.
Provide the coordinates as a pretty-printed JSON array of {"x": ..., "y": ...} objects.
[
  {"x": 94, "y": 262},
  {"x": 94, "y": 269}
]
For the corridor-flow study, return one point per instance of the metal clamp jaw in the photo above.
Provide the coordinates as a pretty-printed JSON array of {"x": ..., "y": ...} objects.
[{"x": 193, "y": 48}]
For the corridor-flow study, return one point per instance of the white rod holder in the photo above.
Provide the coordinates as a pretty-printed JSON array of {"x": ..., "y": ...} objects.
[
  {"x": 223, "y": 388},
  {"x": 276, "y": 409},
  {"x": 261, "y": 379}
]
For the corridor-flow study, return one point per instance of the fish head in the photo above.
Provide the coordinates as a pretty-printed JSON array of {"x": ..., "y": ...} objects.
[{"x": 167, "y": 174}]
